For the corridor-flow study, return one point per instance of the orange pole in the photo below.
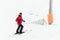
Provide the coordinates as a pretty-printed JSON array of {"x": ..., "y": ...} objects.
[{"x": 50, "y": 15}]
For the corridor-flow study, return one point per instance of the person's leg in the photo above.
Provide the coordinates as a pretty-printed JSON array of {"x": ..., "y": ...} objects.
[
  {"x": 17, "y": 29},
  {"x": 21, "y": 28}
]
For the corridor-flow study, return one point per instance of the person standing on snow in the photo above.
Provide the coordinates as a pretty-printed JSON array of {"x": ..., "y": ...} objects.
[{"x": 19, "y": 21}]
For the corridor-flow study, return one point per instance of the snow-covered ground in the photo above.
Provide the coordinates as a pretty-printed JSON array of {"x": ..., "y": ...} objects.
[{"x": 32, "y": 10}]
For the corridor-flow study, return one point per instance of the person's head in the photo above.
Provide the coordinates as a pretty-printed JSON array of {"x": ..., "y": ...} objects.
[{"x": 20, "y": 14}]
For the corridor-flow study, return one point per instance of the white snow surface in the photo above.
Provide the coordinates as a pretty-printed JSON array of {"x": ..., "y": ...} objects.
[{"x": 32, "y": 10}]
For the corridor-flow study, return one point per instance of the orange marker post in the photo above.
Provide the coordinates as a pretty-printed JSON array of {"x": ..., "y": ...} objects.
[
  {"x": 50, "y": 15},
  {"x": 50, "y": 18}
]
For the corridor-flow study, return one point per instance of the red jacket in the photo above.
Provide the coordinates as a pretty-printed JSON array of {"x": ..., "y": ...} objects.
[{"x": 19, "y": 20}]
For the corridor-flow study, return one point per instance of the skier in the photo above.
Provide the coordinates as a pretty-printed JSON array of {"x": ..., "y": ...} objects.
[{"x": 19, "y": 21}]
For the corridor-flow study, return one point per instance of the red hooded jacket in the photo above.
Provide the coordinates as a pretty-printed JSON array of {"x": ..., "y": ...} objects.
[{"x": 19, "y": 20}]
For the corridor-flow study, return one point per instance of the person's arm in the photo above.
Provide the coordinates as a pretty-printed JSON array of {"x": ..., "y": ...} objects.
[
  {"x": 16, "y": 19},
  {"x": 23, "y": 20}
]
